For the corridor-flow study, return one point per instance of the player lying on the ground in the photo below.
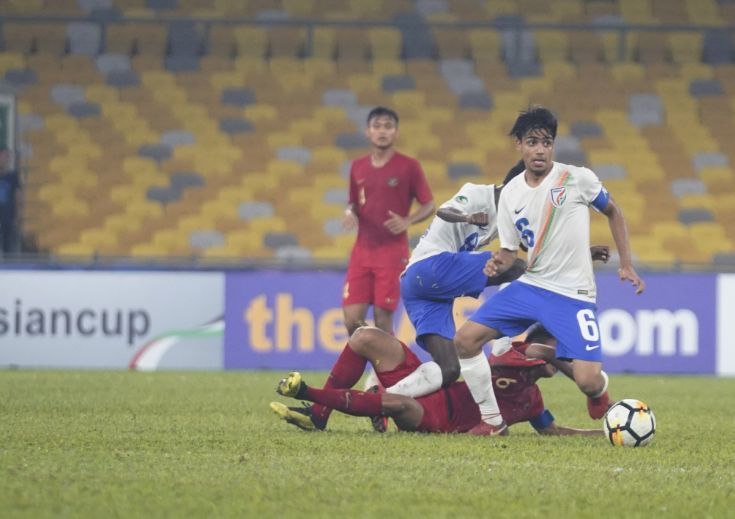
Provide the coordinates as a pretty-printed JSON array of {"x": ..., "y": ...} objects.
[{"x": 448, "y": 410}]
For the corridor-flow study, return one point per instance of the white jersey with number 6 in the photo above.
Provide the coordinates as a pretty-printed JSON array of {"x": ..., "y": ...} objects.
[
  {"x": 552, "y": 220},
  {"x": 443, "y": 236}
]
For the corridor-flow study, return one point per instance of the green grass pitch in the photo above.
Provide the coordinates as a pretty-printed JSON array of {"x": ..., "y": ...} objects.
[{"x": 120, "y": 444}]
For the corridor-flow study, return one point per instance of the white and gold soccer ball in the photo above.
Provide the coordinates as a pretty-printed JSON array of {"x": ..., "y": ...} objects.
[{"x": 629, "y": 423}]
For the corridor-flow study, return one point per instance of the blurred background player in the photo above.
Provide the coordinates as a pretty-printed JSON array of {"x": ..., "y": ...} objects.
[
  {"x": 546, "y": 209},
  {"x": 448, "y": 410},
  {"x": 383, "y": 186},
  {"x": 9, "y": 189}
]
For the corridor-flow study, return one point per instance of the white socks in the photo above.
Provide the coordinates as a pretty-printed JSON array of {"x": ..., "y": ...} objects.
[
  {"x": 502, "y": 346},
  {"x": 426, "y": 379},
  {"x": 604, "y": 387},
  {"x": 477, "y": 375}
]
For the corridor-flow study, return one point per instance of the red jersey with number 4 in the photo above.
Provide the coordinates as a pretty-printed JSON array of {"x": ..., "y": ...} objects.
[{"x": 374, "y": 192}]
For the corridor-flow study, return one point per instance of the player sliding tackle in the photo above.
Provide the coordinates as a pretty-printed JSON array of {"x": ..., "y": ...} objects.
[
  {"x": 443, "y": 266},
  {"x": 449, "y": 410}
]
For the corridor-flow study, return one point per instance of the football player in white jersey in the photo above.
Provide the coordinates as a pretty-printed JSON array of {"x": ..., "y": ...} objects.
[
  {"x": 446, "y": 265},
  {"x": 547, "y": 210}
]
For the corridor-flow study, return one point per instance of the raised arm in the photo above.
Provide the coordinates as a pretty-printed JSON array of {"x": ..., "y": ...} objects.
[{"x": 452, "y": 215}]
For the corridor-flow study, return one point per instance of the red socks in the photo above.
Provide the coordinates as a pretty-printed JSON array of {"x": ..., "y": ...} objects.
[
  {"x": 345, "y": 373},
  {"x": 350, "y": 401}
]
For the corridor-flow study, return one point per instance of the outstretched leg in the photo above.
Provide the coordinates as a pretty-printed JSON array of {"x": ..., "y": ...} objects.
[
  {"x": 367, "y": 344},
  {"x": 406, "y": 412}
]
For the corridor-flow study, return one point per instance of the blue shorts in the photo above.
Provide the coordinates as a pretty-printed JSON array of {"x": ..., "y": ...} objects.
[
  {"x": 430, "y": 286},
  {"x": 572, "y": 322}
]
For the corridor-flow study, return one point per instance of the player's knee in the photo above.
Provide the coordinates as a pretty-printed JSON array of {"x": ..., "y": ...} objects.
[
  {"x": 589, "y": 384},
  {"x": 364, "y": 337},
  {"x": 353, "y": 325},
  {"x": 450, "y": 373},
  {"x": 465, "y": 345}
]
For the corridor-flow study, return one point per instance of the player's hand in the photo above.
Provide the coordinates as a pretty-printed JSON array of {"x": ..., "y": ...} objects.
[
  {"x": 349, "y": 221},
  {"x": 479, "y": 219},
  {"x": 600, "y": 253},
  {"x": 629, "y": 273},
  {"x": 396, "y": 223},
  {"x": 493, "y": 267}
]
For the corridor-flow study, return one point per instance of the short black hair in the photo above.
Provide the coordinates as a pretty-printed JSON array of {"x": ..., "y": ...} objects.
[
  {"x": 535, "y": 118},
  {"x": 516, "y": 170},
  {"x": 381, "y": 111}
]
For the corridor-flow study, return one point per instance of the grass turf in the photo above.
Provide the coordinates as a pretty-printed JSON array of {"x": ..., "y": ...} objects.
[{"x": 94, "y": 444}]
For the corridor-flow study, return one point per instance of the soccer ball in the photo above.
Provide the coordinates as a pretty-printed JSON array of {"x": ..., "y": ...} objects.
[{"x": 629, "y": 423}]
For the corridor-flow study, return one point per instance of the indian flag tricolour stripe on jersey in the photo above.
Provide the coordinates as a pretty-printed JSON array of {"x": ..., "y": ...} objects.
[{"x": 550, "y": 210}]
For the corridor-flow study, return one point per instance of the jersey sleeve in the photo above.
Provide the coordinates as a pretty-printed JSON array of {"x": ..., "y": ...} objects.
[
  {"x": 591, "y": 190},
  {"x": 420, "y": 187},
  {"x": 463, "y": 200},
  {"x": 509, "y": 237}
]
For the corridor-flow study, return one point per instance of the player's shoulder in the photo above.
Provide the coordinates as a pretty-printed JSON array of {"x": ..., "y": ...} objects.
[
  {"x": 364, "y": 159},
  {"x": 471, "y": 193},
  {"x": 406, "y": 159},
  {"x": 477, "y": 188},
  {"x": 514, "y": 185},
  {"x": 576, "y": 170}
]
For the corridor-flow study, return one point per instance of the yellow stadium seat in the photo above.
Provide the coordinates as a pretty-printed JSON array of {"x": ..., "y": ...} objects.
[
  {"x": 251, "y": 41},
  {"x": 686, "y": 47},
  {"x": 171, "y": 239},
  {"x": 387, "y": 66},
  {"x": 149, "y": 250},
  {"x": 718, "y": 178},
  {"x": 118, "y": 223},
  {"x": 143, "y": 209},
  {"x": 264, "y": 225},
  {"x": 76, "y": 249},
  {"x": 98, "y": 238},
  {"x": 385, "y": 43},
  {"x": 70, "y": 208},
  {"x": 705, "y": 201},
  {"x": 553, "y": 46},
  {"x": 226, "y": 251}
]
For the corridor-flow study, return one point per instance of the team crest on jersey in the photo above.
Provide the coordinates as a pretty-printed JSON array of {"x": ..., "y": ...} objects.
[
  {"x": 392, "y": 181},
  {"x": 461, "y": 199},
  {"x": 558, "y": 196}
]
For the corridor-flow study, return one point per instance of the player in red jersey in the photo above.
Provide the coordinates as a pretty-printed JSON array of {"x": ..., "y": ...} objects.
[
  {"x": 448, "y": 410},
  {"x": 383, "y": 186}
]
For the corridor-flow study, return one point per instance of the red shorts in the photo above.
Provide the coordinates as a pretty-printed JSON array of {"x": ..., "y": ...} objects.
[
  {"x": 447, "y": 410},
  {"x": 379, "y": 286},
  {"x": 404, "y": 369}
]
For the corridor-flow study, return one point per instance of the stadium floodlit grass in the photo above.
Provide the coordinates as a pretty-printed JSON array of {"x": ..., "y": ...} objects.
[{"x": 100, "y": 444}]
